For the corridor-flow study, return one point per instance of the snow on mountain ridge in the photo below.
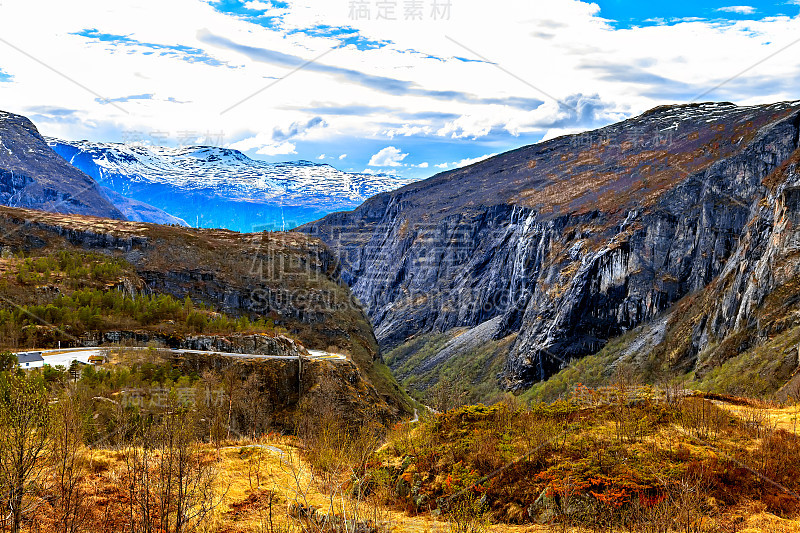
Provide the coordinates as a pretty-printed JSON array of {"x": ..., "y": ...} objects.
[
  {"x": 231, "y": 173},
  {"x": 223, "y": 188}
]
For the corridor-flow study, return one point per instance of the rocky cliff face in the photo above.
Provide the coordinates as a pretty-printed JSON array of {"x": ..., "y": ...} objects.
[
  {"x": 32, "y": 175},
  {"x": 569, "y": 243},
  {"x": 258, "y": 344}
]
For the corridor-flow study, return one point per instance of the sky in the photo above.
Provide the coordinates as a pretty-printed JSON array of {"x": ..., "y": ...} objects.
[{"x": 409, "y": 87}]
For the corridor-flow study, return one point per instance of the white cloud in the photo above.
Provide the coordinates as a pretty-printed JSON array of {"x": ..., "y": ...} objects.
[
  {"x": 372, "y": 171},
  {"x": 250, "y": 143},
  {"x": 263, "y": 144},
  {"x": 424, "y": 164},
  {"x": 575, "y": 111},
  {"x": 283, "y": 148},
  {"x": 476, "y": 124},
  {"x": 741, "y": 10},
  {"x": 342, "y": 156},
  {"x": 256, "y": 5},
  {"x": 458, "y": 164},
  {"x": 387, "y": 157},
  {"x": 321, "y": 157},
  {"x": 470, "y": 161},
  {"x": 281, "y": 140},
  {"x": 408, "y": 130},
  {"x": 578, "y": 52}
]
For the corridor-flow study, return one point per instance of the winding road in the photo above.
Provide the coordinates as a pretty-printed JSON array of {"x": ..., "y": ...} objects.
[{"x": 65, "y": 356}]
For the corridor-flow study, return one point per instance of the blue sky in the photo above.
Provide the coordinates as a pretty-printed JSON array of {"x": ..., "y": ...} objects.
[
  {"x": 364, "y": 87},
  {"x": 626, "y": 14}
]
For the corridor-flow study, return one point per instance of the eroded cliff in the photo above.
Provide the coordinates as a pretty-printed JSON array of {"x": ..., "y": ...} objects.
[{"x": 569, "y": 243}]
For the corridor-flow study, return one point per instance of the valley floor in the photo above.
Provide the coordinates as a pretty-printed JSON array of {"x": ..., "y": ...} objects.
[
  {"x": 288, "y": 484},
  {"x": 283, "y": 477}
]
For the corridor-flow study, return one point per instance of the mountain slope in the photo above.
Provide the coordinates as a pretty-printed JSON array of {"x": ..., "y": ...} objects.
[
  {"x": 290, "y": 279},
  {"x": 571, "y": 242},
  {"x": 136, "y": 211},
  {"x": 219, "y": 187},
  {"x": 33, "y": 176}
]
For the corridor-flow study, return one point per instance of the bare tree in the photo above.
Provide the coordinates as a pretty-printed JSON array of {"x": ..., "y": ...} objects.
[
  {"x": 212, "y": 404},
  {"x": 253, "y": 407},
  {"x": 24, "y": 419},
  {"x": 68, "y": 469},
  {"x": 170, "y": 480},
  {"x": 337, "y": 450},
  {"x": 446, "y": 395}
]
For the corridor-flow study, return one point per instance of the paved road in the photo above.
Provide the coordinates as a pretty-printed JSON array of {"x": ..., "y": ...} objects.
[{"x": 65, "y": 356}]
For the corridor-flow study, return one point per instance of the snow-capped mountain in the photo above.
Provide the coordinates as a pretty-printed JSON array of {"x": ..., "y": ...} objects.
[{"x": 219, "y": 187}]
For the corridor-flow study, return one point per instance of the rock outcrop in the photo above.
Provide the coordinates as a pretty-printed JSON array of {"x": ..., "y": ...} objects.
[
  {"x": 574, "y": 241},
  {"x": 285, "y": 390},
  {"x": 256, "y": 344}
]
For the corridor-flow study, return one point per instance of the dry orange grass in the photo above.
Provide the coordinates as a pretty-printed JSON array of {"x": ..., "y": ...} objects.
[
  {"x": 258, "y": 477},
  {"x": 785, "y": 418}
]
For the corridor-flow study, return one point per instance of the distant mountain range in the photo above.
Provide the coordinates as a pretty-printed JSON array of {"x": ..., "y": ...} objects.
[
  {"x": 219, "y": 187},
  {"x": 199, "y": 185}
]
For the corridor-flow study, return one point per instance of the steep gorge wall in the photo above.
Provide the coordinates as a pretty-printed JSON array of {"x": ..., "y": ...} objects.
[
  {"x": 567, "y": 280},
  {"x": 654, "y": 259}
]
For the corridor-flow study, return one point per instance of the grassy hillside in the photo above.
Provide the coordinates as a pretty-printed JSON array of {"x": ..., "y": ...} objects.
[
  {"x": 605, "y": 460},
  {"x": 59, "y": 297}
]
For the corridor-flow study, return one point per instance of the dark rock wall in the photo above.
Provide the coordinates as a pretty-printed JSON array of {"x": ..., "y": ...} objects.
[
  {"x": 33, "y": 176},
  {"x": 568, "y": 280}
]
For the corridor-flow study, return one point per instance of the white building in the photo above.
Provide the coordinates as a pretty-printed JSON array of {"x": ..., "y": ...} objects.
[{"x": 30, "y": 360}]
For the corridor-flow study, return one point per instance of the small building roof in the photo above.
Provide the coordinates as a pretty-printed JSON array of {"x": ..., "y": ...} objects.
[{"x": 30, "y": 357}]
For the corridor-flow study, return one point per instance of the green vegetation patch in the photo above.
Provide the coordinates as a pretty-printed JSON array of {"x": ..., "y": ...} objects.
[
  {"x": 467, "y": 377},
  {"x": 622, "y": 465}
]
